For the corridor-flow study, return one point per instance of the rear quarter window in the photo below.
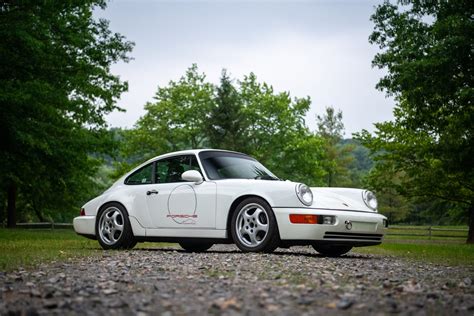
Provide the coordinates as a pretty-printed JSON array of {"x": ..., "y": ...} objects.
[{"x": 141, "y": 176}]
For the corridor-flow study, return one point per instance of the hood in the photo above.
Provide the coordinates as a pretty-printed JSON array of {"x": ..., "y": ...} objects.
[{"x": 339, "y": 199}]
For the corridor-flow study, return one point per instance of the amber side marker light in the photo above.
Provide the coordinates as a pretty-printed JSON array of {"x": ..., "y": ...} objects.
[{"x": 303, "y": 219}]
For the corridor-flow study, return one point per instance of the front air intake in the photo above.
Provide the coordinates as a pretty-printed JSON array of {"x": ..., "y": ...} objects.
[{"x": 352, "y": 236}]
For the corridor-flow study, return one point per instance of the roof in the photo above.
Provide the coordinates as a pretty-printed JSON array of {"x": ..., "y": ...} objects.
[{"x": 188, "y": 152}]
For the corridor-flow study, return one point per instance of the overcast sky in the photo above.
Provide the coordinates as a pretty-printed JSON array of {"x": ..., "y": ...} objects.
[{"x": 309, "y": 48}]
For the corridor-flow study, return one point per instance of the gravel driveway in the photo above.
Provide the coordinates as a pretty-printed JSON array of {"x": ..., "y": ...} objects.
[{"x": 226, "y": 281}]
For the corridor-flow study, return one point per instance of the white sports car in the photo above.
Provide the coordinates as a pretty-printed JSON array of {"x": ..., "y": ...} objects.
[{"x": 201, "y": 197}]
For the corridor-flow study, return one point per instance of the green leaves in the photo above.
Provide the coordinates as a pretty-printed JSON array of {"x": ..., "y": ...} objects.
[
  {"x": 247, "y": 116},
  {"x": 226, "y": 120},
  {"x": 55, "y": 89},
  {"x": 178, "y": 117},
  {"x": 338, "y": 156},
  {"x": 426, "y": 48}
]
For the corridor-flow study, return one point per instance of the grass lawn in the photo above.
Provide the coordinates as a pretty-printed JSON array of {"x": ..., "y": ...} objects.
[
  {"x": 435, "y": 251},
  {"x": 29, "y": 247},
  {"x": 26, "y": 248}
]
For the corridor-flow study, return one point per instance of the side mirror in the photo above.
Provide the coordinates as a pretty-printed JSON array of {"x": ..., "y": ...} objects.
[{"x": 192, "y": 176}]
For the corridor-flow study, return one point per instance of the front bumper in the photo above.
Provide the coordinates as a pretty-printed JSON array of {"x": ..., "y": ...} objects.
[
  {"x": 84, "y": 225},
  {"x": 365, "y": 228}
]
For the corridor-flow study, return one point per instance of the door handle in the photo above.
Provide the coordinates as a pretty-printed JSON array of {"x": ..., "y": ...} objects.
[{"x": 151, "y": 192}]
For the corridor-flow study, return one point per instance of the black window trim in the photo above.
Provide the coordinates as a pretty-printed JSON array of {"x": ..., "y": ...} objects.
[
  {"x": 175, "y": 156},
  {"x": 153, "y": 169},
  {"x": 137, "y": 170}
]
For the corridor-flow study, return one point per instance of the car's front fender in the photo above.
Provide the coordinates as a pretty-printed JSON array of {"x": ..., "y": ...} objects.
[{"x": 276, "y": 193}]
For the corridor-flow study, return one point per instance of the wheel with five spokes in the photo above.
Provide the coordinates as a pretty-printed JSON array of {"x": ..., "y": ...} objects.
[
  {"x": 254, "y": 227},
  {"x": 113, "y": 229}
]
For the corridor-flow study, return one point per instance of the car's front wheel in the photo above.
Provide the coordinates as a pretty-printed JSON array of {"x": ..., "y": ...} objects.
[
  {"x": 254, "y": 227},
  {"x": 331, "y": 251},
  {"x": 113, "y": 229},
  {"x": 195, "y": 246}
]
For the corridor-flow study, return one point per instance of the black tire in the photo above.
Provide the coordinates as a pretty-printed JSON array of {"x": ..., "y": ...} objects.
[
  {"x": 114, "y": 239},
  {"x": 195, "y": 246},
  {"x": 331, "y": 251},
  {"x": 269, "y": 242}
]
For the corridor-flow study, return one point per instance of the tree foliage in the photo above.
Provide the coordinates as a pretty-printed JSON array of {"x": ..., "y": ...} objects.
[
  {"x": 337, "y": 154},
  {"x": 225, "y": 122},
  {"x": 177, "y": 118},
  {"x": 248, "y": 117},
  {"x": 55, "y": 88},
  {"x": 426, "y": 48}
]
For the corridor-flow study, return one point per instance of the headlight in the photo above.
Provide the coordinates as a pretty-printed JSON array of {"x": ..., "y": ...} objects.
[
  {"x": 304, "y": 194},
  {"x": 370, "y": 199}
]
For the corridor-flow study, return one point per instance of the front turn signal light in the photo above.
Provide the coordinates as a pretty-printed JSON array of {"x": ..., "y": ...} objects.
[{"x": 303, "y": 219}]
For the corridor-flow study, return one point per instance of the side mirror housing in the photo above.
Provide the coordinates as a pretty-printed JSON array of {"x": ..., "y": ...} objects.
[{"x": 192, "y": 176}]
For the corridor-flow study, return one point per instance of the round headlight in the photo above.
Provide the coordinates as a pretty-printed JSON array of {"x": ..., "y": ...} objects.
[
  {"x": 370, "y": 199},
  {"x": 304, "y": 194}
]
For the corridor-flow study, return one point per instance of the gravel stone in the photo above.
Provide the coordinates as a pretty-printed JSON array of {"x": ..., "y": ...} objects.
[
  {"x": 225, "y": 281},
  {"x": 344, "y": 303}
]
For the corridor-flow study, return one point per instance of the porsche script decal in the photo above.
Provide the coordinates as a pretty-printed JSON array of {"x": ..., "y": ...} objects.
[{"x": 182, "y": 204}]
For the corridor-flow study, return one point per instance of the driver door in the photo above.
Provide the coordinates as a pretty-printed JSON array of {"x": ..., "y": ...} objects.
[{"x": 174, "y": 203}]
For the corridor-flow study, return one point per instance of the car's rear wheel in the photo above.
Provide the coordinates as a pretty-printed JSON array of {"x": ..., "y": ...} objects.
[
  {"x": 113, "y": 229},
  {"x": 254, "y": 227},
  {"x": 331, "y": 251},
  {"x": 195, "y": 246}
]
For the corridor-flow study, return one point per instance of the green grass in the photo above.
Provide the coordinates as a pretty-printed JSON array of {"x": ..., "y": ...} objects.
[
  {"x": 27, "y": 248},
  {"x": 435, "y": 251}
]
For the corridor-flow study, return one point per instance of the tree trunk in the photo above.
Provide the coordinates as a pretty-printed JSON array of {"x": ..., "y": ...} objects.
[
  {"x": 38, "y": 213},
  {"x": 470, "y": 234},
  {"x": 11, "y": 207}
]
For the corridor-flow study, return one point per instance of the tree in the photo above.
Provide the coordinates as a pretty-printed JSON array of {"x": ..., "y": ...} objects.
[
  {"x": 226, "y": 120},
  {"x": 249, "y": 117},
  {"x": 391, "y": 203},
  {"x": 426, "y": 48},
  {"x": 338, "y": 156},
  {"x": 361, "y": 163},
  {"x": 330, "y": 125},
  {"x": 177, "y": 119},
  {"x": 276, "y": 132},
  {"x": 55, "y": 88}
]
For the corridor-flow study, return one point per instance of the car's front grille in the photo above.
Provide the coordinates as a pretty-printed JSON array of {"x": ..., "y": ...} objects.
[{"x": 353, "y": 236}]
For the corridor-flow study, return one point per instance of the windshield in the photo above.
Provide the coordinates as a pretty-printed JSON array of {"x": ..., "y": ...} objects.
[{"x": 226, "y": 165}]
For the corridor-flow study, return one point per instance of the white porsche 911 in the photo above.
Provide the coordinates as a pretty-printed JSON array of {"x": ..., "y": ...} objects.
[{"x": 201, "y": 197}]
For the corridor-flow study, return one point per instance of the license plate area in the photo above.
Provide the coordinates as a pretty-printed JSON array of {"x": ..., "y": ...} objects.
[{"x": 364, "y": 226}]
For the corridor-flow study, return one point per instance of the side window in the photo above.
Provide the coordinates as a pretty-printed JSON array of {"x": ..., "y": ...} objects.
[
  {"x": 161, "y": 171},
  {"x": 170, "y": 170},
  {"x": 141, "y": 176}
]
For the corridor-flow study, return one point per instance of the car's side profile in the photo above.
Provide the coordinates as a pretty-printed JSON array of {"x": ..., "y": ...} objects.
[{"x": 201, "y": 197}]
